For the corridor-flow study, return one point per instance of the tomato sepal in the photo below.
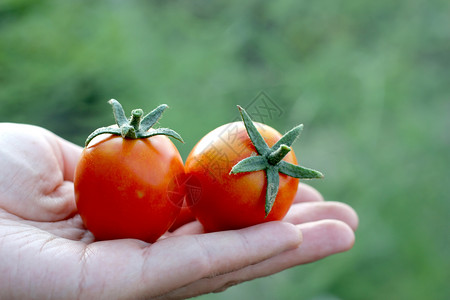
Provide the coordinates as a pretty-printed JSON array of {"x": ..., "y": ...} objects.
[
  {"x": 273, "y": 182},
  {"x": 163, "y": 131},
  {"x": 289, "y": 137},
  {"x": 258, "y": 141},
  {"x": 298, "y": 171},
  {"x": 136, "y": 127},
  {"x": 152, "y": 117},
  {"x": 250, "y": 164}
]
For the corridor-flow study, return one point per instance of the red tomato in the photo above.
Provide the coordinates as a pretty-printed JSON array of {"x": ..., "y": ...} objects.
[
  {"x": 122, "y": 187},
  {"x": 223, "y": 201},
  {"x": 129, "y": 187}
]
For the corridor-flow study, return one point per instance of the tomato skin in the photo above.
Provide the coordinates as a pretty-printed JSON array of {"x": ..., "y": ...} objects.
[
  {"x": 185, "y": 216},
  {"x": 221, "y": 201},
  {"x": 124, "y": 188}
]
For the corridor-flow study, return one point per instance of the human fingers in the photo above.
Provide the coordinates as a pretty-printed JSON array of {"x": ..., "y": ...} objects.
[
  {"x": 306, "y": 193},
  {"x": 60, "y": 202},
  {"x": 70, "y": 155},
  {"x": 314, "y": 211},
  {"x": 308, "y": 207},
  {"x": 175, "y": 262},
  {"x": 298, "y": 213},
  {"x": 320, "y": 239},
  {"x": 33, "y": 186},
  {"x": 190, "y": 228}
]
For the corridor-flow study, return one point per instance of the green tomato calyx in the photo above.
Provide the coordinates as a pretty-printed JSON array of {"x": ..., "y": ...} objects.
[
  {"x": 271, "y": 159},
  {"x": 137, "y": 127}
]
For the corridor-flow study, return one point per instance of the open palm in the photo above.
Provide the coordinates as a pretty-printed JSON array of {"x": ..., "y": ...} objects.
[{"x": 46, "y": 252}]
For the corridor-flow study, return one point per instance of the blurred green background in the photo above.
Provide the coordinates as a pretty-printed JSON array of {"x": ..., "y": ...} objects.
[{"x": 369, "y": 79}]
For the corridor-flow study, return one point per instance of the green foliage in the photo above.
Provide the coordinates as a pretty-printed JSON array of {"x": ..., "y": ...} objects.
[{"x": 369, "y": 79}]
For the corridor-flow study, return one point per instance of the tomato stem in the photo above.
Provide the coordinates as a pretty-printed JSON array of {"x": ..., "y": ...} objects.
[
  {"x": 276, "y": 156},
  {"x": 136, "y": 116}
]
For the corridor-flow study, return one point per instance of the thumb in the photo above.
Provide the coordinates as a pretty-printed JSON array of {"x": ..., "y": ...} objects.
[{"x": 34, "y": 166}]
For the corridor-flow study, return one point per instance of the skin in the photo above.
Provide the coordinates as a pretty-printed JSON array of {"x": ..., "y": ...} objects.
[{"x": 45, "y": 251}]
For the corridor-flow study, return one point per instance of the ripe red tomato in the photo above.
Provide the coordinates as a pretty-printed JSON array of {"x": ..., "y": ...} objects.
[
  {"x": 126, "y": 187},
  {"x": 223, "y": 201}
]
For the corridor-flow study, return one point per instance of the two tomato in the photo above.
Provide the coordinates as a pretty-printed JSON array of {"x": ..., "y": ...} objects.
[{"x": 131, "y": 183}]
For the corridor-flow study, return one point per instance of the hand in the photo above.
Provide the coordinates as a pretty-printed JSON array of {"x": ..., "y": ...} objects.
[{"x": 46, "y": 252}]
